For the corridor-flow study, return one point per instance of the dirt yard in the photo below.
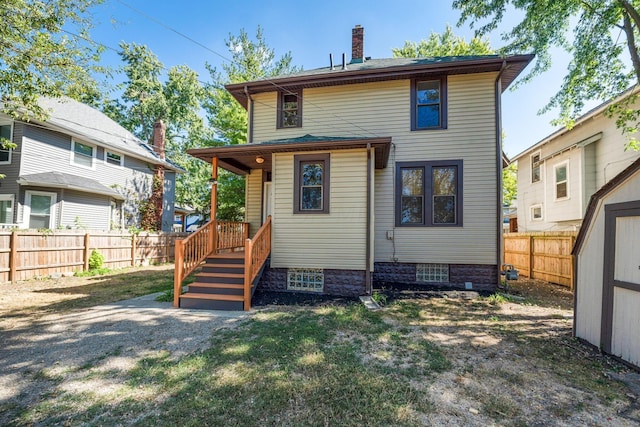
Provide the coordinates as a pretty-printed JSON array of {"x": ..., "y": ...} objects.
[{"x": 505, "y": 360}]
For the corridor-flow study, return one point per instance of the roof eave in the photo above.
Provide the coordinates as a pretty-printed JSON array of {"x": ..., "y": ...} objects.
[{"x": 515, "y": 65}]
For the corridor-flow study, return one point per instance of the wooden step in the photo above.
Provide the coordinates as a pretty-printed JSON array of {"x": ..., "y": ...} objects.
[
  {"x": 217, "y": 288},
  {"x": 215, "y": 297},
  {"x": 222, "y": 275}
]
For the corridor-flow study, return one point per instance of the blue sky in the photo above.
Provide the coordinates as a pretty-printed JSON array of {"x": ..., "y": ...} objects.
[{"x": 311, "y": 31}]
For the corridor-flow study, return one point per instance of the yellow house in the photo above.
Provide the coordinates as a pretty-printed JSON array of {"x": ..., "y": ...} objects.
[{"x": 372, "y": 171}]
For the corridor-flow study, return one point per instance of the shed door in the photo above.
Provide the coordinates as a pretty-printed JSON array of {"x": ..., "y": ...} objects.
[{"x": 621, "y": 292}]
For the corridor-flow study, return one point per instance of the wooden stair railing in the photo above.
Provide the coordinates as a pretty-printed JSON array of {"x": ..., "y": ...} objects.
[
  {"x": 208, "y": 239},
  {"x": 256, "y": 252}
]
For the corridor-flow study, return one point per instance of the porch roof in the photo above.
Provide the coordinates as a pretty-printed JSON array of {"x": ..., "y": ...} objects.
[
  {"x": 69, "y": 182},
  {"x": 241, "y": 159}
]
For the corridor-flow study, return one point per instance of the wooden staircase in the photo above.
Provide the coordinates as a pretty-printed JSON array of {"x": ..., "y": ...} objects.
[
  {"x": 230, "y": 265},
  {"x": 219, "y": 285}
]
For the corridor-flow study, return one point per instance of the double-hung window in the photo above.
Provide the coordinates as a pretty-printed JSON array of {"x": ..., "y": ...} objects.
[
  {"x": 429, "y": 104},
  {"x": 562, "y": 184},
  {"x": 429, "y": 193},
  {"x": 290, "y": 109},
  {"x": 82, "y": 154},
  {"x": 311, "y": 178},
  {"x": 6, "y": 208},
  {"x": 112, "y": 158},
  {"x": 6, "y": 137},
  {"x": 535, "y": 167}
]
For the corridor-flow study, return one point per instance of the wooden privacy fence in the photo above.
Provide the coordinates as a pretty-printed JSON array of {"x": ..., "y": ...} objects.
[
  {"x": 28, "y": 254},
  {"x": 544, "y": 255}
]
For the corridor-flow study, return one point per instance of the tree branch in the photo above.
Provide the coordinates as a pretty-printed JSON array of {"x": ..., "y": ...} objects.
[{"x": 631, "y": 43}]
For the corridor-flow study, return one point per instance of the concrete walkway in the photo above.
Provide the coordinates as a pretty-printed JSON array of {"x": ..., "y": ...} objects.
[{"x": 43, "y": 354}]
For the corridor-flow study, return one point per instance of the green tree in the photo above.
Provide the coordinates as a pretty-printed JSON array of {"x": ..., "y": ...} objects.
[
  {"x": 604, "y": 37},
  {"x": 251, "y": 59},
  {"x": 445, "y": 44},
  {"x": 175, "y": 96},
  {"x": 509, "y": 184},
  {"x": 44, "y": 50}
]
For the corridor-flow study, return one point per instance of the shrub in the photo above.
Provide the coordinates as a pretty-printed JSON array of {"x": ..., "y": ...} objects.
[{"x": 96, "y": 260}]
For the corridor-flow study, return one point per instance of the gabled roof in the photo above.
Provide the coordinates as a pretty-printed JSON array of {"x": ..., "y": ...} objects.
[
  {"x": 385, "y": 69},
  {"x": 69, "y": 182},
  {"x": 84, "y": 122},
  {"x": 597, "y": 196},
  {"x": 241, "y": 158},
  {"x": 583, "y": 118}
]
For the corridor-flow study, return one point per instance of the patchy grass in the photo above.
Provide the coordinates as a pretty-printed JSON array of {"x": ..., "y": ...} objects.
[{"x": 423, "y": 361}]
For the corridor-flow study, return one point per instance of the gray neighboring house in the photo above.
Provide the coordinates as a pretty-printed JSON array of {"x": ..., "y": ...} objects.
[{"x": 79, "y": 169}]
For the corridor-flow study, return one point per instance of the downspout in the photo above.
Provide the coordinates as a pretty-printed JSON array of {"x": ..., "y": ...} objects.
[
  {"x": 250, "y": 125},
  {"x": 367, "y": 271},
  {"x": 498, "y": 116}
]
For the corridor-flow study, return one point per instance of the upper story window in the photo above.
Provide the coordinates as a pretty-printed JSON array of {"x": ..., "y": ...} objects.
[
  {"x": 562, "y": 180},
  {"x": 112, "y": 158},
  {"x": 311, "y": 177},
  {"x": 82, "y": 154},
  {"x": 429, "y": 104},
  {"x": 429, "y": 193},
  {"x": 290, "y": 109},
  {"x": 6, "y": 135},
  {"x": 535, "y": 167}
]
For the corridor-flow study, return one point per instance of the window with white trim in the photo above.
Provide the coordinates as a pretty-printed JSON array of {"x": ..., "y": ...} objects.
[
  {"x": 6, "y": 208},
  {"x": 536, "y": 173},
  {"x": 305, "y": 279},
  {"x": 561, "y": 173},
  {"x": 6, "y": 136},
  {"x": 536, "y": 213},
  {"x": 112, "y": 158},
  {"x": 82, "y": 154},
  {"x": 39, "y": 209}
]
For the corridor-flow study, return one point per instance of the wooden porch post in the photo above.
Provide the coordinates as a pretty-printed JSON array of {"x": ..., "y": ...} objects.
[{"x": 214, "y": 204}]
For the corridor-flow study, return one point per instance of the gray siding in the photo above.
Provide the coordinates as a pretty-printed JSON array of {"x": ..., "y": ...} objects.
[
  {"x": 83, "y": 210},
  {"x": 168, "y": 206},
  {"x": 9, "y": 184}
]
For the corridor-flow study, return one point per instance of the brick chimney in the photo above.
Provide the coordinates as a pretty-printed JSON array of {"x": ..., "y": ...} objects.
[
  {"x": 357, "y": 45},
  {"x": 159, "y": 132}
]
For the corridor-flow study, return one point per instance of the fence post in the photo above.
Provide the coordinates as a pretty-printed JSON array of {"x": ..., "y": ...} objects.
[
  {"x": 531, "y": 276},
  {"x": 134, "y": 238},
  {"x": 86, "y": 252},
  {"x": 13, "y": 256}
]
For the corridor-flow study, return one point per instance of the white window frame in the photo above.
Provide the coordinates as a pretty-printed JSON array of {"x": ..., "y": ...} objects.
[
  {"x": 539, "y": 154},
  {"x": 26, "y": 212},
  {"x": 555, "y": 181},
  {"x": 12, "y": 198},
  {"x": 106, "y": 162},
  {"x": 5, "y": 123},
  {"x": 73, "y": 152},
  {"x": 531, "y": 209}
]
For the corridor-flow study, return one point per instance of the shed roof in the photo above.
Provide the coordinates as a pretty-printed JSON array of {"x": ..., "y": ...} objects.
[{"x": 599, "y": 195}]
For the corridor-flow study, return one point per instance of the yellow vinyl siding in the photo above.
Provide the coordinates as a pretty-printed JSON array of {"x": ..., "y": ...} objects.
[
  {"x": 382, "y": 109},
  {"x": 253, "y": 203},
  {"x": 335, "y": 240}
]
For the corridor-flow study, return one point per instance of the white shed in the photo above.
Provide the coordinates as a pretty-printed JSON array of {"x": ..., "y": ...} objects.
[{"x": 607, "y": 266}]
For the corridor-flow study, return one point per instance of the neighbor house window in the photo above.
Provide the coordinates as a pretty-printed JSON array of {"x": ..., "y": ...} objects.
[
  {"x": 311, "y": 177},
  {"x": 6, "y": 135},
  {"x": 429, "y": 104},
  {"x": 561, "y": 175},
  {"x": 290, "y": 109},
  {"x": 39, "y": 210},
  {"x": 112, "y": 158},
  {"x": 83, "y": 154},
  {"x": 305, "y": 279},
  {"x": 434, "y": 273},
  {"x": 536, "y": 213},
  {"x": 429, "y": 193},
  {"x": 6, "y": 208},
  {"x": 535, "y": 167}
]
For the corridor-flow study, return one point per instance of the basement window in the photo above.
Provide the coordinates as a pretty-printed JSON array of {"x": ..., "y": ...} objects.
[
  {"x": 432, "y": 273},
  {"x": 305, "y": 279}
]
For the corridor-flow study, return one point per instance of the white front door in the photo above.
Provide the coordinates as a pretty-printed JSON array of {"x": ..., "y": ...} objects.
[
  {"x": 39, "y": 210},
  {"x": 267, "y": 201}
]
